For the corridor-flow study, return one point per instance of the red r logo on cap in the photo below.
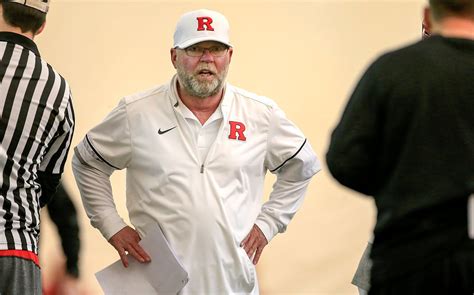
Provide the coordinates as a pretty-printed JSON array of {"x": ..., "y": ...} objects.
[{"x": 204, "y": 21}]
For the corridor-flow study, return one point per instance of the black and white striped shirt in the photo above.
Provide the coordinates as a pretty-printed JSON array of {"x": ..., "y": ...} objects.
[{"x": 36, "y": 127}]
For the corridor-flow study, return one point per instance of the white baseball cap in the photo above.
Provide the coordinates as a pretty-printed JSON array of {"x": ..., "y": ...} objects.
[
  {"x": 41, "y": 5},
  {"x": 201, "y": 25}
]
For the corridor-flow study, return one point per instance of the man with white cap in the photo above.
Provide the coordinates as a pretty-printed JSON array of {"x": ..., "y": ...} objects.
[
  {"x": 36, "y": 127},
  {"x": 196, "y": 152}
]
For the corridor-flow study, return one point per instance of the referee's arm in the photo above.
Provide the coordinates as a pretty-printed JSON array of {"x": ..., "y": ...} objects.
[{"x": 52, "y": 166}]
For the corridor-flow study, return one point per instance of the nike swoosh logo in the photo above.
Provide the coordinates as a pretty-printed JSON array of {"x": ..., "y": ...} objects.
[{"x": 164, "y": 131}]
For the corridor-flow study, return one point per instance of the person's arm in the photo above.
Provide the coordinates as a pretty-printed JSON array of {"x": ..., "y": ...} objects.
[
  {"x": 63, "y": 213},
  {"x": 48, "y": 182},
  {"x": 105, "y": 149},
  {"x": 288, "y": 192},
  {"x": 96, "y": 192},
  {"x": 285, "y": 199},
  {"x": 292, "y": 159},
  {"x": 354, "y": 146},
  {"x": 52, "y": 166}
]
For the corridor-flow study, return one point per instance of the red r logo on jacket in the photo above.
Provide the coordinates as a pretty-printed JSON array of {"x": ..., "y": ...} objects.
[
  {"x": 237, "y": 131},
  {"x": 204, "y": 21}
]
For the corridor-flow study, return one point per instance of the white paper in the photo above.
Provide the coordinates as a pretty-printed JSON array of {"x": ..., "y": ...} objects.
[
  {"x": 163, "y": 275},
  {"x": 470, "y": 216}
]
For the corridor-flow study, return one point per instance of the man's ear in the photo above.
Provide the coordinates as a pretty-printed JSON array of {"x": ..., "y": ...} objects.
[
  {"x": 427, "y": 19},
  {"x": 231, "y": 50},
  {"x": 173, "y": 56},
  {"x": 40, "y": 30}
]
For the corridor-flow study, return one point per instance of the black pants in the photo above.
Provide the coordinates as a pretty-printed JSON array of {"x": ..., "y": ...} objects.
[{"x": 453, "y": 274}]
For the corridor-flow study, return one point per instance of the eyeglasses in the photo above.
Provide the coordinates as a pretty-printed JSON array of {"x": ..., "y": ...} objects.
[{"x": 197, "y": 51}]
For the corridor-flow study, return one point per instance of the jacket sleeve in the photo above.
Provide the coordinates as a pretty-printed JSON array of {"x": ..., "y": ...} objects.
[
  {"x": 353, "y": 148},
  {"x": 52, "y": 165},
  {"x": 96, "y": 193},
  {"x": 291, "y": 158},
  {"x": 48, "y": 183},
  {"x": 104, "y": 149},
  {"x": 63, "y": 213}
]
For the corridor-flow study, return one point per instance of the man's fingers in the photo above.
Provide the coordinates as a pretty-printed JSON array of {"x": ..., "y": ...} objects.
[
  {"x": 143, "y": 254},
  {"x": 250, "y": 246},
  {"x": 250, "y": 251},
  {"x": 245, "y": 241},
  {"x": 137, "y": 251},
  {"x": 126, "y": 240},
  {"x": 123, "y": 257},
  {"x": 254, "y": 243},
  {"x": 135, "y": 254},
  {"x": 257, "y": 255}
]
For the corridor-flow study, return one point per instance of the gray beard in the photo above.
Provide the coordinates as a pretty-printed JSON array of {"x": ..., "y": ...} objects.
[{"x": 198, "y": 88}]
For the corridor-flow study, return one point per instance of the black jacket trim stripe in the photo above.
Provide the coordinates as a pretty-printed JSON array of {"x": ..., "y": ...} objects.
[{"x": 297, "y": 152}]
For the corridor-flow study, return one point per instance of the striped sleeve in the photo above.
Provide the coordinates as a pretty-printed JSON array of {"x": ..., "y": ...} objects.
[{"x": 56, "y": 156}]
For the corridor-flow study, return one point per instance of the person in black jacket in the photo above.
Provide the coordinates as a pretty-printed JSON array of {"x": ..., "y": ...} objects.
[
  {"x": 361, "y": 277},
  {"x": 406, "y": 138}
]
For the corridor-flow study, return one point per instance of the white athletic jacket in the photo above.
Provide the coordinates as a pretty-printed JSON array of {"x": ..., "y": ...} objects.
[{"x": 205, "y": 207}]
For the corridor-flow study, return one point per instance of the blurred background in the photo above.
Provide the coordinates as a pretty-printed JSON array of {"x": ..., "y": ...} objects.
[{"x": 306, "y": 55}]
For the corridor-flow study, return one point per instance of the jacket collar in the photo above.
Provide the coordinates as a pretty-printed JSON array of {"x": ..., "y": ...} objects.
[{"x": 20, "y": 40}]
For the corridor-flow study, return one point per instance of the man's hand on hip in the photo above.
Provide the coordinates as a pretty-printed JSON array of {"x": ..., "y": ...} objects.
[
  {"x": 126, "y": 241},
  {"x": 254, "y": 243}
]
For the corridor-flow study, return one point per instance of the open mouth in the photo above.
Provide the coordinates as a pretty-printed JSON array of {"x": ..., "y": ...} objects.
[{"x": 205, "y": 73}]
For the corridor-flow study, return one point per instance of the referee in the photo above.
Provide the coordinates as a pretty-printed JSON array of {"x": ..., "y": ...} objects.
[{"x": 36, "y": 127}]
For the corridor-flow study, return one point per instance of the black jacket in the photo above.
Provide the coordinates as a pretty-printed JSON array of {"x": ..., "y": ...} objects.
[{"x": 406, "y": 138}]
